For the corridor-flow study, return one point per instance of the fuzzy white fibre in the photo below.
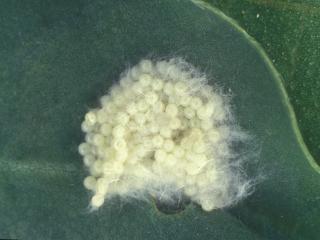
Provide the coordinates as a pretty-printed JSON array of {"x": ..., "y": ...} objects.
[{"x": 163, "y": 131}]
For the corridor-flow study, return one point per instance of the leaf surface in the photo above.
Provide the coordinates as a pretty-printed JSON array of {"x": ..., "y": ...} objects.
[
  {"x": 59, "y": 57},
  {"x": 288, "y": 31}
]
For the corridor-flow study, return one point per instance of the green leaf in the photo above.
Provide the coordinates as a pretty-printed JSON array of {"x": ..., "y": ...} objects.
[
  {"x": 58, "y": 58},
  {"x": 289, "y": 32}
]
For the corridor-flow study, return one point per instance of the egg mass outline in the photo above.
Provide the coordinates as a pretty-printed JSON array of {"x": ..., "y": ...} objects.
[{"x": 163, "y": 130}]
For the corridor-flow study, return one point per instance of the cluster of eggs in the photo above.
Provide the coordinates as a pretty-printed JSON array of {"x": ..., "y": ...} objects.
[{"x": 161, "y": 128}]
